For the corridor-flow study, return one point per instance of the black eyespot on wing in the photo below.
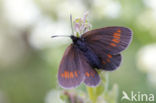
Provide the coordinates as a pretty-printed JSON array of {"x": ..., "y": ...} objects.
[{"x": 109, "y": 39}]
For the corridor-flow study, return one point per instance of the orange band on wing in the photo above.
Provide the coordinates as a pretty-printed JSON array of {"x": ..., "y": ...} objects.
[
  {"x": 116, "y": 34},
  {"x": 65, "y": 74},
  {"x": 110, "y": 56},
  {"x": 116, "y": 38},
  {"x": 108, "y": 60},
  {"x": 62, "y": 75},
  {"x": 112, "y": 44},
  {"x": 71, "y": 75},
  {"x": 103, "y": 62},
  {"x": 119, "y": 30},
  {"x": 76, "y": 74},
  {"x": 68, "y": 75},
  {"x": 87, "y": 74}
]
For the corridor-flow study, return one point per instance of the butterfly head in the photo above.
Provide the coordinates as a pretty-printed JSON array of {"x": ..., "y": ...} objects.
[{"x": 74, "y": 38}]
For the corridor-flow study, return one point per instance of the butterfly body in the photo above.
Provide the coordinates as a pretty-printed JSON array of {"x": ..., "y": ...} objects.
[
  {"x": 95, "y": 49},
  {"x": 89, "y": 54}
]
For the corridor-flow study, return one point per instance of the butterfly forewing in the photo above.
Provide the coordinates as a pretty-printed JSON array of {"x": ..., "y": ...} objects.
[
  {"x": 70, "y": 72},
  {"x": 74, "y": 69},
  {"x": 112, "y": 40}
]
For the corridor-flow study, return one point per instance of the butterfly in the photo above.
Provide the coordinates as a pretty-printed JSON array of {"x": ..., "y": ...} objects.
[{"x": 95, "y": 49}]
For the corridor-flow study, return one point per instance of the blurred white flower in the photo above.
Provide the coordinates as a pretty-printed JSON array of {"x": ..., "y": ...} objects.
[
  {"x": 147, "y": 21},
  {"x": 110, "y": 8},
  {"x": 67, "y": 7},
  {"x": 151, "y": 78},
  {"x": 147, "y": 58},
  {"x": 21, "y": 13},
  {"x": 10, "y": 53},
  {"x": 151, "y": 4},
  {"x": 53, "y": 97},
  {"x": 113, "y": 9},
  {"x": 147, "y": 61},
  {"x": 3, "y": 98},
  {"x": 41, "y": 35}
]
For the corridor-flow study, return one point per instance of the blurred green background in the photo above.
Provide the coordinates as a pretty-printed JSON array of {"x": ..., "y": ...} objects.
[{"x": 29, "y": 58}]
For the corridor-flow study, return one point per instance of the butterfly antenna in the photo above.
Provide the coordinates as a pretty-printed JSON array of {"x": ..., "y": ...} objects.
[
  {"x": 71, "y": 29},
  {"x": 60, "y": 36},
  {"x": 71, "y": 23}
]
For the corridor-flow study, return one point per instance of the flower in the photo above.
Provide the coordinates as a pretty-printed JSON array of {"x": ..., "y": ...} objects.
[
  {"x": 81, "y": 25},
  {"x": 147, "y": 62}
]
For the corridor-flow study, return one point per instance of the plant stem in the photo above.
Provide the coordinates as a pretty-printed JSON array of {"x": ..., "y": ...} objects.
[
  {"x": 91, "y": 94},
  {"x": 106, "y": 81},
  {"x": 71, "y": 23},
  {"x": 94, "y": 92},
  {"x": 77, "y": 35}
]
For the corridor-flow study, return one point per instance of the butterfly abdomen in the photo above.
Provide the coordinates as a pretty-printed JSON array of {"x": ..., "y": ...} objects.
[{"x": 91, "y": 57}]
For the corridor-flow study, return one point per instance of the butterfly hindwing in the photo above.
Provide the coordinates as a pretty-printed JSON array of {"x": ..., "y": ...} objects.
[
  {"x": 91, "y": 76},
  {"x": 112, "y": 40},
  {"x": 70, "y": 72},
  {"x": 110, "y": 62}
]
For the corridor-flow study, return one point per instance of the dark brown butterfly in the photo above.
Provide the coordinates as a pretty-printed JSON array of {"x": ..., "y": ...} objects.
[{"x": 95, "y": 49}]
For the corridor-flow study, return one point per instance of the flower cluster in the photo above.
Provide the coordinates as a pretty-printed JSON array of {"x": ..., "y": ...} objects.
[{"x": 81, "y": 25}]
